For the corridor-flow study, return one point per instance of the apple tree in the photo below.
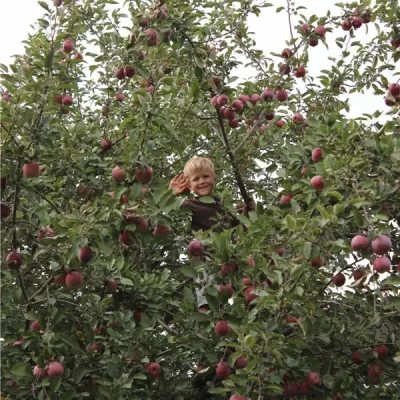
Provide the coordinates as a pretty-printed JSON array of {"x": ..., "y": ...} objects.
[{"x": 103, "y": 109}]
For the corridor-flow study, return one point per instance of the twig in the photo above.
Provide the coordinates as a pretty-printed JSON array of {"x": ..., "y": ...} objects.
[
  {"x": 249, "y": 133},
  {"x": 290, "y": 21},
  {"x": 168, "y": 328},
  {"x": 49, "y": 202},
  {"x": 22, "y": 285},
  {"x": 42, "y": 289}
]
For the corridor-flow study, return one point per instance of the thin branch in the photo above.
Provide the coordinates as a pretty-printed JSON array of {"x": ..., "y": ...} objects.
[
  {"x": 48, "y": 201},
  {"x": 42, "y": 289},
  {"x": 232, "y": 158},
  {"x": 249, "y": 133},
  {"x": 290, "y": 21},
  {"x": 168, "y": 328},
  {"x": 22, "y": 286}
]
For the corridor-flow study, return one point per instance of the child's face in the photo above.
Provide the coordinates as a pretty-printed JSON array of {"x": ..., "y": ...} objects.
[{"x": 202, "y": 183}]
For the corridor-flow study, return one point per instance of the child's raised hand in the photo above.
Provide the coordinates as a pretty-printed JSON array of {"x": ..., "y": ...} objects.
[{"x": 179, "y": 184}]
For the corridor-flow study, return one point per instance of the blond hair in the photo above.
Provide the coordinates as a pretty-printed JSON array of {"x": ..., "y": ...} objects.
[{"x": 199, "y": 164}]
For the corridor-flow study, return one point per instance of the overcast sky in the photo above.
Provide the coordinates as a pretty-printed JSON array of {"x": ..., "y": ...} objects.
[{"x": 271, "y": 30}]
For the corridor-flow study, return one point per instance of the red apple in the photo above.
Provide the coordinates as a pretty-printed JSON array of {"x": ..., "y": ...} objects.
[
  {"x": 119, "y": 97},
  {"x": 247, "y": 281},
  {"x": 68, "y": 46},
  {"x": 237, "y": 397},
  {"x": 6, "y": 97},
  {"x": 14, "y": 260},
  {"x": 74, "y": 279},
  {"x": 154, "y": 369},
  {"x": 152, "y": 37},
  {"x": 281, "y": 95},
  {"x": 129, "y": 71},
  {"x": 280, "y": 124},
  {"x": 320, "y": 30},
  {"x": 35, "y": 326},
  {"x": 291, "y": 319},
  {"x": 216, "y": 81},
  {"x": 285, "y": 198},
  {"x": 237, "y": 105},
  {"x": 268, "y": 95},
  {"x": 269, "y": 116},
  {"x": 313, "y": 42},
  {"x": 316, "y": 155},
  {"x": 317, "y": 262},
  {"x": 313, "y": 379},
  {"x": 118, "y": 174},
  {"x": 222, "y": 328},
  {"x": 67, "y": 100},
  {"x": 140, "y": 222},
  {"x": 233, "y": 123},
  {"x": 339, "y": 280},
  {"x": 358, "y": 274},
  {"x": 381, "y": 244},
  {"x": 249, "y": 296},
  {"x": 304, "y": 170},
  {"x": 195, "y": 248},
  {"x": 356, "y": 357},
  {"x": 78, "y": 56},
  {"x": 382, "y": 350},
  {"x": 229, "y": 113},
  {"x": 60, "y": 279},
  {"x": 346, "y": 24},
  {"x": 359, "y": 243},
  {"x": 112, "y": 285},
  {"x": 5, "y": 210},
  {"x": 281, "y": 251},
  {"x": 223, "y": 370},
  {"x": 304, "y": 388},
  {"x": 143, "y": 174},
  {"x": 241, "y": 362},
  {"x": 124, "y": 238},
  {"x": 55, "y": 369},
  {"x": 382, "y": 265},
  {"x": 214, "y": 101},
  {"x": 375, "y": 370},
  {"x": 31, "y": 170},
  {"x": 137, "y": 316},
  {"x": 45, "y": 232},
  {"x": 105, "y": 144},
  {"x": 395, "y": 42},
  {"x": 244, "y": 98},
  {"x": 286, "y": 53},
  {"x": 40, "y": 373},
  {"x": 254, "y": 98},
  {"x": 394, "y": 89},
  {"x": 390, "y": 100},
  {"x": 93, "y": 347},
  {"x": 222, "y": 100},
  {"x": 250, "y": 262},
  {"x": 305, "y": 27},
  {"x": 228, "y": 268},
  {"x": 85, "y": 254},
  {"x": 300, "y": 71},
  {"x": 297, "y": 118},
  {"x": 317, "y": 182},
  {"x": 284, "y": 69},
  {"x": 357, "y": 22},
  {"x": 120, "y": 73},
  {"x": 226, "y": 290},
  {"x": 161, "y": 231}
]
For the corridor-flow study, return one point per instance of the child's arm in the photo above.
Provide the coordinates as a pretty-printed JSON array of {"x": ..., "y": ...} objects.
[{"x": 179, "y": 184}]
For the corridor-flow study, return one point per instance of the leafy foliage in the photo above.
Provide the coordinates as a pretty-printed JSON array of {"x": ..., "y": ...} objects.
[{"x": 183, "y": 54}]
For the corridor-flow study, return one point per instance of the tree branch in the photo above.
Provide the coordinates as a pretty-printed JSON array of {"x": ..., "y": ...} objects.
[
  {"x": 168, "y": 328},
  {"x": 41, "y": 289},
  {"x": 249, "y": 133}
]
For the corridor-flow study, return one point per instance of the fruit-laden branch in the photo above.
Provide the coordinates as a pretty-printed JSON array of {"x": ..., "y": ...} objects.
[
  {"x": 232, "y": 158},
  {"x": 168, "y": 328}
]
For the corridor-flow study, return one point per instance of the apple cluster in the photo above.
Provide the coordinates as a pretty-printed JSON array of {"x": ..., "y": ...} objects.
[
  {"x": 356, "y": 19},
  {"x": 393, "y": 96}
]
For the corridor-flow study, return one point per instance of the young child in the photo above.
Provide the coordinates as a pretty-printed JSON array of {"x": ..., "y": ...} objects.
[{"x": 199, "y": 177}]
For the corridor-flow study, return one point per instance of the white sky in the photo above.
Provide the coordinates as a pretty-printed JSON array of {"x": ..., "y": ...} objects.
[{"x": 271, "y": 30}]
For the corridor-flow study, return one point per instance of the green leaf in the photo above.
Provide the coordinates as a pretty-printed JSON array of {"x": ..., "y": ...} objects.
[
  {"x": 207, "y": 199},
  {"x": 291, "y": 222},
  {"x": 188, "y": 271},
  {"x": 32, "y": 316},
  {"x": 392, "y": 280},
  {"x": 127, "y": 282},
  {"x": 79, "y": 373},
  {"x": 20, "y": 370},
  {"x": 44, "y": 5},
  {"x": 140, "y": 376},
  {"x": 358, "y": 219},
  {"x": 195, "y": 88}
]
